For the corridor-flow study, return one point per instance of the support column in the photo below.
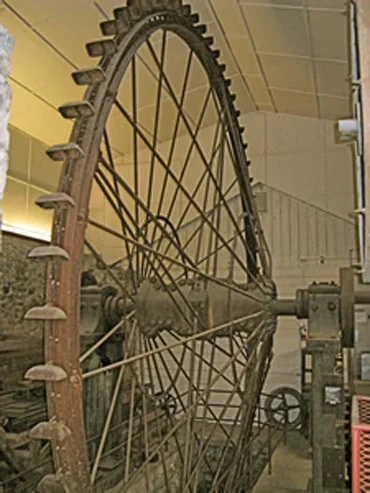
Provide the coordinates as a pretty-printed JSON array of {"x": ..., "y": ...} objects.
[{"x": 327, "y": 395}]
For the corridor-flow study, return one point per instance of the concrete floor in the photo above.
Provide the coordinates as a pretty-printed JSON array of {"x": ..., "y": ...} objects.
[{"x": 291, "y": 468}]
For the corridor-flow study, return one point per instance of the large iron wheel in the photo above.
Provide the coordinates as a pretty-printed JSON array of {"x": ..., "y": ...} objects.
[{"x": 186, "y": 320}]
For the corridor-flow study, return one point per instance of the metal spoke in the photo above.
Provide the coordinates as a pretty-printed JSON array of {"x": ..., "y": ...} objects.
[
  {"x": 111, "y": 162},
  {"x": 135, "y": 149},
  {"x": 185, "y": 168},
  {"x": 220, "y": 282},
  {"x": 197, "y": 145},
  {"x": 100, "y": 259},
  {"x": 156, "y": 125},
  {"x": 173, "y": 143},
  {"x": 185, "y": 192},
  {"x": 204, "y": 333},
  {"x": 101, "y": 185},
  {"x": 103, "y": 339}
]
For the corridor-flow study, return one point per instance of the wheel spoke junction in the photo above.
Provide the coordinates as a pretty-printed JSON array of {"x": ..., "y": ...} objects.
[{"x": 165, "y": 332}]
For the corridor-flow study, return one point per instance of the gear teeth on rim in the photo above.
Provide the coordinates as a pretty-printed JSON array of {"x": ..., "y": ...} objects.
[
  {"x": 48, "y": 253},
  {"x": 46, "y": 312},
  {"x": 201, "y": 29},
  {"x": 123, "y": 14},
  {"x": 208, "y": 41},
  {"x": 46, "y": 373},
  {"x": 60, "y": 152},
  {"x": 50, "y": 430},
  {"x": 54, "y": 201},
  {"x": 101, "y": 48},
  {"x": 75, "y": 109},
  {"x": 114, "y": 27},
  {"x": 88, "y": 76},
  {"x": 185, "y": 10}
]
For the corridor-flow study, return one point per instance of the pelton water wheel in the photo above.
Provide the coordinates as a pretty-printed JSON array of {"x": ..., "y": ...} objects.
[{"x": 153, "y": 385}]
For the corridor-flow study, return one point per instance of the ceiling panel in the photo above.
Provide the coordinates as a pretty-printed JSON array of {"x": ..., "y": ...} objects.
[
  {"x": 37, "y": 11},
  {"x": 245, "y": 55},
  {"x": 333, "y": 78},
  {"x": 280, "y": 33},
  {"x": 79, "y": 33},
  {"x": 329, "y": 35},
  {"x": 230, "y": 17},
  {"x": 279, "y": 3},
  {"x": 34, "y": 63},
  {"x": 244, "y": 103},
  {"x": 203, "y": 9},
  {"x": 295, "y": 103},
  {"x": 327, "y": 4},
  {"x": 37, "y": 118},
  {"x": 289, "y": 72},
  {"x": 278, "y": 30},
  {"x": 332, "y": 108},
  {"x": 259, "y": 90}
]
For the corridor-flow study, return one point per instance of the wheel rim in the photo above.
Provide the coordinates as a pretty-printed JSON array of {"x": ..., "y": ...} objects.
[
  {"x": 283, "y": 407},
  {"x": 169, "y": 369}
]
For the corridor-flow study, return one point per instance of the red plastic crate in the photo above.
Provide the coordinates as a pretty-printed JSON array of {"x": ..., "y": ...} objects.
[{"x": 360, "y": 444}]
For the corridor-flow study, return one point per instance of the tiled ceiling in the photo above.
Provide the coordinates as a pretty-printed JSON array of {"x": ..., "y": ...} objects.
[{"x": 285, "y": 56}]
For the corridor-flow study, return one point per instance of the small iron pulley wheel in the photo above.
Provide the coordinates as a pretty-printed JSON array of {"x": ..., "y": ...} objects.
[{"x": 284, "y": 407}]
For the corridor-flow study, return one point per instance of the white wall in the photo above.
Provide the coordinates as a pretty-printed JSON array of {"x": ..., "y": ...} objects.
[
  {"x": 307, "y": 244},
  {"x": 298, "y": 155}
]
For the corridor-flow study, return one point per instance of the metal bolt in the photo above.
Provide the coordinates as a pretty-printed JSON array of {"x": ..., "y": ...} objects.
[
  {"x": 332, "y": 306},
  {"x": 314, "y": 308}
]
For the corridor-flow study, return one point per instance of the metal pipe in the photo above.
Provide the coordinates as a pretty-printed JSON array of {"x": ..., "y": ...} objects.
[{"x": 286, "y": 307}]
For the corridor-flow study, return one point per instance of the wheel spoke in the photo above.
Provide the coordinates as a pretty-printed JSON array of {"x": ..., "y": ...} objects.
[
  {"x": 157, "y": 180},
  {"x": 185, "y": 192},
  {"x": 204, "y": 333}
]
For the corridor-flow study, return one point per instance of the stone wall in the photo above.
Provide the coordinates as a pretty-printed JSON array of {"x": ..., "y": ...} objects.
[{"x": 22, "y": 285}]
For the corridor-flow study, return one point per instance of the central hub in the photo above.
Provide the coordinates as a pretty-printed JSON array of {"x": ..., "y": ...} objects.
[{"x": 193, "y": 306}]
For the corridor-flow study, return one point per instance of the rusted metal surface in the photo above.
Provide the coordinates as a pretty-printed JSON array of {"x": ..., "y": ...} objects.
[
  {"x": 46, "y": 312},
  {"x": 47, "y": 253},
  {"x": 46, "y": 373},
  {"x": 55, "y": 200}
]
